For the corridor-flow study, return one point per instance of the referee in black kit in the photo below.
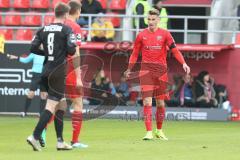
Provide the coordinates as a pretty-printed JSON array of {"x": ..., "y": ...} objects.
[{"x": 58, "y": 41}]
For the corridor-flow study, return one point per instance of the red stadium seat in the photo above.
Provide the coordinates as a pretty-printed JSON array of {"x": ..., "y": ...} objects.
[
  {"x": 4, "y": 3},
  {"x": 32, "y": 20},
  {"x": 13, "y": 20},
  {"x": 54, "y": 2},
  {"x": 103, "y": 3},
  {"x": 8, "y": 33},
  {"x": 118, "y": 4},
  {"x": 21, "y": 4},
  {"x": 24, "y": 34},
  {"x": 48, "y": 20},
  {"x": 116, "y": 21},
  {"x": 40, "y": 4}
]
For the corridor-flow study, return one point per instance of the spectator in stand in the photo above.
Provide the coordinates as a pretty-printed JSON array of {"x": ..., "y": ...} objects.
[
  {"x": 205, "y": 93},
  {"x": 89, "y": 7},
  {"x": 108, "y": 86},
  {"x": 186, "y": 94},
  {"x": 140, "y": 8},
  {"x": 163, "y": 23},
  {"x": 174, "y": 90},
  {"x": 97, "y": 87},
  {"x": 102, "y": 89},
  {"x": 122, "y": 91},
  {"x": 221, "y": 94},
  {"x": 102, "y": 35}
]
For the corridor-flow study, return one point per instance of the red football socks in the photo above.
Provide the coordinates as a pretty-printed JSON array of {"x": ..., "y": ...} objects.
[
  {"x": 76, "y": 125},
  {"x": 147, "y": 112},
  {"x": 160, "y": 115}
]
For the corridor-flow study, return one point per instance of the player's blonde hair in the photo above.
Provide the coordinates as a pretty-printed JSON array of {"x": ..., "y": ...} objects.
[{"x": 154, "y": 11}]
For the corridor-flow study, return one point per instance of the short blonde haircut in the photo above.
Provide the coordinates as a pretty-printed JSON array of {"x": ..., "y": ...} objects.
[{"x": 154, "y": 12}]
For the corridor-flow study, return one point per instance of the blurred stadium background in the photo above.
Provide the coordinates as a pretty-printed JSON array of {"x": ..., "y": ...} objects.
[{"x": 206, "y": 32}]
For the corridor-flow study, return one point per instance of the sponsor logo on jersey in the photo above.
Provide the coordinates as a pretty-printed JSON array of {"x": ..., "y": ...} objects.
[
  {"x": 153, "y": 47},
  {"x": 159, "y": 38}
]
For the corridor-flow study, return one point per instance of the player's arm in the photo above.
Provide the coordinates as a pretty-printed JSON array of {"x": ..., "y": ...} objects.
[
  {"x": 176, "y": 53},
  {"x": 135, "y": 53},
  {"x": 36, "y": 43},
  {"x": 23, "y": 59},
  {"x": 77, "y": 60},
  {"x": 76, "y": 64},
  {"x": 71, "y": 42},
  {"x": 27, "y": 59},
  {"x": 78, "y": 41}
]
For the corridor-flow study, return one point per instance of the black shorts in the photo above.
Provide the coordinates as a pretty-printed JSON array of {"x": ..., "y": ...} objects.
[
  {"x": 36, "y": 82},
  {"x": 55, "y": 84}
]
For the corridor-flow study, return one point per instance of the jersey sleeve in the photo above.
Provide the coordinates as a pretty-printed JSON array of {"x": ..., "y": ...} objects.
[
  {"x": 71, "y": 42},
  {"x": 136, "y": 49},
  {"x": 170, "y": 41},
  {"x": 78, "y": 36},
  {"x": 36, "y": 42},
  {"x": 172, "y": 46},
  {"x": 27, "y": 59}
]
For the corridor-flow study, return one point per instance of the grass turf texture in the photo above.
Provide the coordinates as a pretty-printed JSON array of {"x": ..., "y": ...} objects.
[{"x": 121, "y": 140}]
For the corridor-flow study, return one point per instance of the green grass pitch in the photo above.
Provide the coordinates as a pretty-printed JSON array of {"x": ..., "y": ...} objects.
[{"x": 121, "y": 140}]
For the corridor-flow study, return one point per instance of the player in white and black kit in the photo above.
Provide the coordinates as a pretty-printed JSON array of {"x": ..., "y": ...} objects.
[{"x": 58, "y": 41}]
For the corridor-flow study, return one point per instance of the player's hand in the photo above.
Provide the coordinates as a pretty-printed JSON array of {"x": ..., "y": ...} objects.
[
  {"x": 186, "y": 68},
  {"x": 12, "y": 57},
  {"x": 127, "y": 73}
]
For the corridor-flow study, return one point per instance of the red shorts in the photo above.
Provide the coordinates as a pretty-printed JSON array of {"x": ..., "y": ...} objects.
[
  {"x": 71, "y": 90},
  {"x": 152, "y": 86}
]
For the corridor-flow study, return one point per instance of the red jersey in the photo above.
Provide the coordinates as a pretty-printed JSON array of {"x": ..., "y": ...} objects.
[
  {"x": 71, "y": 79},
  {"x": 76, "y": 30},
  {"x": 153, "y": 46}
]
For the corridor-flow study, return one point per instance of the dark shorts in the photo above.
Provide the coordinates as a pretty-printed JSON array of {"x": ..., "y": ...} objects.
[
  {"x": 55, "y": 84},
  {"x": 36, "y": 82}
]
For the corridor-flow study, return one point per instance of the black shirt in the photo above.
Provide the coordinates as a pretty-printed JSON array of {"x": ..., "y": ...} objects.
[
  {"x": 58, "y": 41},
  {"x": 91, "y": 8}
]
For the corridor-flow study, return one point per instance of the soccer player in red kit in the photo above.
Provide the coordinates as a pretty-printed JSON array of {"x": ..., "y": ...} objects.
[
  {"x": 73, "y": 80},
  {"x": 153, "y": 43}
]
